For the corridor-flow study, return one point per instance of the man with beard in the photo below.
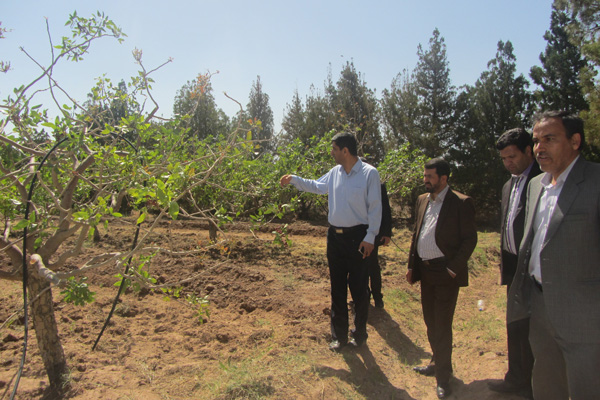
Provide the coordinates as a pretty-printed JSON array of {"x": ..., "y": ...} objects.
[
  {"x": 444, "y": 238},
  {"x": 354, "y": 190}
]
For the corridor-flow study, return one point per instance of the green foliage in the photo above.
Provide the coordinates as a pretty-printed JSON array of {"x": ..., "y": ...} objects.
[
  {"x": 357, "y": 110},
  {"x": 281, "y": 239},
  {"x": 402, "y": 172},
  {"x": 583, "y": 32},
  {"x": 77, "y": 292},
  {"x": 84, "y": 31},
  {"x": 260, "y": 113},
  {"x": 196, "y": 106},
  {"x": 201, "y": 305},
  {"x": 140, "y": 276},
  {"x": 436, "y": 98},
  {"x": 559, "y": 75},
  {"x": 499, "y": 101}
]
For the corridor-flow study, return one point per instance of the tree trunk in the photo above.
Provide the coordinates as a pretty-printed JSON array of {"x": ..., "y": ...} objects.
[{"x": 46, "y": 331}]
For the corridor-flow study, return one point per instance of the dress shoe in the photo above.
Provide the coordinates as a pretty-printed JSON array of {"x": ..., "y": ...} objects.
[
  {"x": 443, "y": 390},
  {"x": 336, "y": 346},
  {"x": 356, "y": 343},
  {"x": 428, "y": 370}
]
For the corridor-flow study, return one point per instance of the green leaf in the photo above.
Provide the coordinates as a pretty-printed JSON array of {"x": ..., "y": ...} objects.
[
  {"x": 174, "y": 209},
  {"x": 141, "y": 218},
  {"x": 22, "y": 224},
  {"x": 81, "y": 216},
  {"x": 162, "y": 196},
  {"x": 49, "y": 125}
]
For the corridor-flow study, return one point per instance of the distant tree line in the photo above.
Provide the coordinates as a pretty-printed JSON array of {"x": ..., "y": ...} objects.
[{"x": 422, "y": 111}]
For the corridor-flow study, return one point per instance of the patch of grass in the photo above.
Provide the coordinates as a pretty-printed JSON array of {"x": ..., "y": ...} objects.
[
  {"x": 488, "y": 327},
  {"x": 254, "y": 377}
]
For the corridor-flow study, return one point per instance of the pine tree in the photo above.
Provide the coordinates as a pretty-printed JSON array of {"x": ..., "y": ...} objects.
[
  {"x": 436, "y": 97},
  {"x": 259, "y": 111},
  {"x": 400, "y": 111},
  {"x": 498, "y": 101},
  {"x": 357, "y": 109},
  {"x": 559, "y": 76}
]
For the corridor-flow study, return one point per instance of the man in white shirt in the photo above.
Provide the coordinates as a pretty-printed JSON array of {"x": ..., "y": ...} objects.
[
  {"x": 354, "y": 191},
  {"x": 444, "y": 239},
  {"x": 557, "y": 282}
]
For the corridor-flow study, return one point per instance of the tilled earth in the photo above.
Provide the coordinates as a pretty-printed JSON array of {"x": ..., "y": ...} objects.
[{"x": 265, "y": 331}]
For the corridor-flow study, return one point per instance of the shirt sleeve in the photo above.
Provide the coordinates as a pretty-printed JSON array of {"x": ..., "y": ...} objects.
[
  {"x": 319, "y": 186},
  {"x": 374, "y": 207}
]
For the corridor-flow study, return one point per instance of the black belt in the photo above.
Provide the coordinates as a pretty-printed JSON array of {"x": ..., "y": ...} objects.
[
  {"x": 537, "y": 283},
  {"x": 434, "y": 261},
  {"x": 350, "y": 229}
]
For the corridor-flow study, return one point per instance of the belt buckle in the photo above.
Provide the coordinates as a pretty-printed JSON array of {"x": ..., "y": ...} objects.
[{"x": 339, "y": 231}]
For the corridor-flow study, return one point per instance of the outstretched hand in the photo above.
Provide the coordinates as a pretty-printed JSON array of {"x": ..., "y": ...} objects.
[{"x": 285, "y": 180}]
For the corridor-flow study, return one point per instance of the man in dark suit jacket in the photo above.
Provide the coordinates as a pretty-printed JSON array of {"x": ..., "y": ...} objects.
[
  {"x": 516, "y": 151},
  {"x": 557, "y": 282},
  {"x": 382, "y": 239},
  {"x": 444, "y": 238}
]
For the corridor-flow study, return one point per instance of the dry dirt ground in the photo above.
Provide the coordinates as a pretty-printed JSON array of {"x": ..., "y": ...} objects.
[{"x": 268, "y": 330}]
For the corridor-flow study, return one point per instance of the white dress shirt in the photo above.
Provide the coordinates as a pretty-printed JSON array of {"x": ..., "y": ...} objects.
[
  {"x": 513, "y": 205},
  {"x": 427, "y": 248}
]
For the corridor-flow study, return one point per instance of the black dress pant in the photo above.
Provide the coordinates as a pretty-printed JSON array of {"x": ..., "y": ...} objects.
[
  {"x": 375, "y": 274},
  {"x": 347, "y": 269},
  {"x": 439, "y": 293},
  {"x": 520, "y": 356}
]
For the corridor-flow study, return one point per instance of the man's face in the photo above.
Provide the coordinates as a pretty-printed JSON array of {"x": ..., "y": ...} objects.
[
  {"x": 433, "y": 182},
  {"x": 337, "y": 153},
  {"x": 553, "y": 150},
  {"x": 515, "y": 160}
]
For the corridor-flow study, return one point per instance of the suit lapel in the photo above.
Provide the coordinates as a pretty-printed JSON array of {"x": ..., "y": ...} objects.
[
  {"x": 534, "y": 192},
  {"x": 421, "y": 213},
  {"x": 447, "y": 203},
  {"x": 568, "y": 194}
]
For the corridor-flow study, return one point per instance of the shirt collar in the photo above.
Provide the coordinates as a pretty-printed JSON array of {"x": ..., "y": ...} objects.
[
  {"x": 525, "y": 173},
  {"x": 440, "y": 197},
  {"x": 547, "y": 178}
]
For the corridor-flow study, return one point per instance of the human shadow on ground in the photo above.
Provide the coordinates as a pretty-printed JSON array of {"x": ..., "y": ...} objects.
[
  {"x": 479, "y": 390},
  {"x": 365, "y": 376},
  {"x": 389, "y": 330}
]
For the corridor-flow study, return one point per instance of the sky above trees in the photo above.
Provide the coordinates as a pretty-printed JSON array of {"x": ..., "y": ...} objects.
[{"x": 290, "y": 45}]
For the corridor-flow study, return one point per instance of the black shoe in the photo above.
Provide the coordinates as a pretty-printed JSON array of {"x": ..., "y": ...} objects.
[
  {"x": 428, "y": 370},
  {"x": 443, "y": 390},
  {"x": 379, "y": 303},
  {"x": 336, "y": 346},
  {"x": 356, "y": 343},
  {"x": 506, "y": 387}
]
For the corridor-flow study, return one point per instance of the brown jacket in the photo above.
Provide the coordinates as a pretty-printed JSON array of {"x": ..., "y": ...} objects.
[{"x": 455, "y": 234}]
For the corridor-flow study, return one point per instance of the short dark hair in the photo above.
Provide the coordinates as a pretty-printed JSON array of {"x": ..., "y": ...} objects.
[
  {"x": 347, "y": 140},
  {"x": 518, "y": 137},
  {"x": 572, "y": 123},
  {"x": 441, "y": 166}
]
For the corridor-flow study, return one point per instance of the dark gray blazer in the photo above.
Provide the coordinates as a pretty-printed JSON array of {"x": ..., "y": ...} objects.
[
  {"x": 508, "y": 267},
  {"x": 570, "y": 257}
]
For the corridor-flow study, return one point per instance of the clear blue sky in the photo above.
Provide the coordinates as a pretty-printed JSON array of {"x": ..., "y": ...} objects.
[{"x": 290, "y": 44}]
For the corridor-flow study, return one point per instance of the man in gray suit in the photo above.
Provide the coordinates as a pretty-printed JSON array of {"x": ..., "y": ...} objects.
[{"x": 557, "y": 282}]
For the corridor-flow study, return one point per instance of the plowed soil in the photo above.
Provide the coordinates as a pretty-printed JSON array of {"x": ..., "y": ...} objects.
[{"x": 267, "y": 331}]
